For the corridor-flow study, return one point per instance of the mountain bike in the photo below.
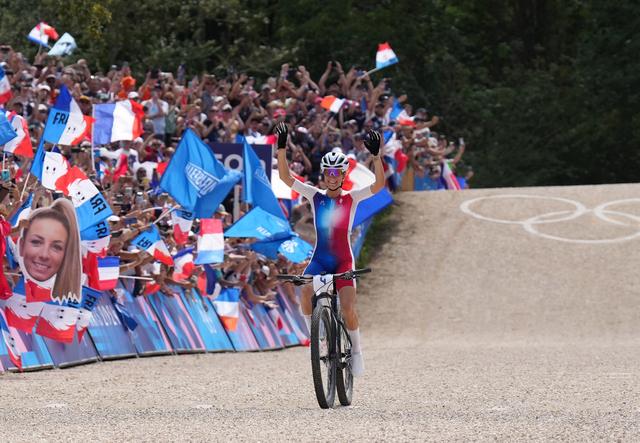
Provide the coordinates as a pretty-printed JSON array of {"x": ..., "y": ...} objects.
[{"x": 330, "y": 341}]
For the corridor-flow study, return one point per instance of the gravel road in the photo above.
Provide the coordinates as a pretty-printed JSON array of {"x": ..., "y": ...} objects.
[{"x": 472, "y": 330}]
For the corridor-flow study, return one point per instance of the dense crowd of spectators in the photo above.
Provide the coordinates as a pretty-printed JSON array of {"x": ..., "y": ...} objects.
[{"x": 218, "y": 109}]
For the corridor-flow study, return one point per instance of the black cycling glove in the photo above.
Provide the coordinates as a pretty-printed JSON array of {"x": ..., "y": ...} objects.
[
  {"x": 372, "y": 142},
  {"x": 282, "y": 132}
]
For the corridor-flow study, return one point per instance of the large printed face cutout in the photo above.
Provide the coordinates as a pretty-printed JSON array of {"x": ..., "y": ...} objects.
[{"x": 43, "y": 248}]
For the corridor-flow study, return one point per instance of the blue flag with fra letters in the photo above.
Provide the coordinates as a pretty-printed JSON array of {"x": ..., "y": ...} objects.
[
  {"x": 195, "y": 178},
  {"x": 256, "y": 188}
]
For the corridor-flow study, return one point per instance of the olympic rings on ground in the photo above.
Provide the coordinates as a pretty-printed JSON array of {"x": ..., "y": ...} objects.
[{"x": 530, "y": 224}]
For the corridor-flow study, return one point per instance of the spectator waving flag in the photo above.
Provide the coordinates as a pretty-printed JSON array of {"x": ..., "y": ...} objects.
[
  {"x": 117, "y": 121},
  {"x": 65, "y": 46},
  {"x": 210, "y": 242},
  {"x": 195, "y": 178},
  {"x": 5, "y": 87},
  {"x": 105, "y": 275},
  {"x": 227, "y": 306},
  {"x": 182, "y": 222},
  {"x": 151, "y": 242},
  {"x": 331, "y": 103},
  {"x": 91, "y": 206},
  {"x": 7, "y": 133},
  {"x": 256, "y": 188},
  {"x": 448, "y": 178},
  {"x": 42, "y": 33},
  {"x": 66, "y": 125},
  {"x": 21, "y": 144},
  {"x": 183, "y": 264},
  {"x": 385, "y": 56},
  {"x": 208, "y": 283}
]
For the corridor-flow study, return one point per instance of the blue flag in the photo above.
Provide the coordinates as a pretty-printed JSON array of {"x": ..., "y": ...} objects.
[
  {"x": 292, "y": 247},
  {"x": 259, "y": 224},
  {"x": 6, "y": 130},
  {"x": 396, "y": 110},
  {"x": 38, "y": 160},
  {"x": 256, "y": 188},
  {"x": 371, "y": 206},
  {"x": 196, "y": 179}
]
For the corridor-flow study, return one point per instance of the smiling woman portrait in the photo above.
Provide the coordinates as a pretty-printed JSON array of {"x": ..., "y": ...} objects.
[{"x": 49, "y": 250}]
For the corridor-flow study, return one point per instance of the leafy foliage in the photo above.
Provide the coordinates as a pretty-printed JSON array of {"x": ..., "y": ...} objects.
[{"x": 545, "y": 92}]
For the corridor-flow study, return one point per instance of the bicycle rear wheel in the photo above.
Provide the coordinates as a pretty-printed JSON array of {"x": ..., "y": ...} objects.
[
  {"x": 344, "y": 376},
  {"x": 323, "y": 364}
]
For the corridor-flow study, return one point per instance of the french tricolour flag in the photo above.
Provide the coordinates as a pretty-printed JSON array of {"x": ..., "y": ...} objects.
[
  {"x": 182, "y": 222},
  {"x": 331, "y": 103},
  {"x": 385, "y": 56},
  {"x": 117, "y": 121},
  {"x": 151, "y": 242},
  {"x": 227, "y": 306},
  {"x": 108, "y": 271},
  {"x": 183, "y": 262},
  {"x": 66, "y": 125},
  {"x": 5, "y": 87},
  {"x": 210, "y": 242},
  {"x": 42, "y": 33},
  {"x": 21, "y": 144}
]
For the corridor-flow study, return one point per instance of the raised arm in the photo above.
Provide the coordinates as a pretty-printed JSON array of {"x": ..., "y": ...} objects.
[
  {"x": 373, "y": 143},
  {"x": 282, "y": 132}
]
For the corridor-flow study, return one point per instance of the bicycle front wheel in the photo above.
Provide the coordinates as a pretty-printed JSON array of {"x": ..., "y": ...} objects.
[
  {"x": 344, "y": 376},
  {"x": 322, "y": 356}
]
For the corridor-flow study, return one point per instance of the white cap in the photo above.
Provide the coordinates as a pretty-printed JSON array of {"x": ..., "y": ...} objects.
[
  {"x": 265, "y": 270},
  {"x": 132, "y": 95}
]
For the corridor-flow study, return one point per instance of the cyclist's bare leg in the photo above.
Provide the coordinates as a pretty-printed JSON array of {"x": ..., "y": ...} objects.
[
  {"x": 348, "y": 306},
  {"x": 305, "y": 299},
  {"x": 306, "y": 305}
]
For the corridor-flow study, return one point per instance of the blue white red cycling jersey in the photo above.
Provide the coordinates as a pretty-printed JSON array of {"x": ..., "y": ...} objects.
[{"x": 333, "y": 220}]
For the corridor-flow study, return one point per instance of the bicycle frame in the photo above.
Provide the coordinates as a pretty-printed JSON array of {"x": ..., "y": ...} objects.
[{"x": 324, "y": 287}]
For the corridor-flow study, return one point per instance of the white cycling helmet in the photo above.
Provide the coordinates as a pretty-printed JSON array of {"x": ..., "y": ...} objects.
[{"x": 334, "y": 160}]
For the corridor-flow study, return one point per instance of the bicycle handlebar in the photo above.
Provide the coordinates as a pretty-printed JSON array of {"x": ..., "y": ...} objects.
[{"x": 299, "y": 280}]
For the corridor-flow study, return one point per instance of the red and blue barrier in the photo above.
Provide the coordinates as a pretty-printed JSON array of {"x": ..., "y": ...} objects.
[{"x": 158, "y": 324}]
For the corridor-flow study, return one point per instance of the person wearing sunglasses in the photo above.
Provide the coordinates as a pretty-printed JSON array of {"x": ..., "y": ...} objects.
[{"x": 333, "y": 211}]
